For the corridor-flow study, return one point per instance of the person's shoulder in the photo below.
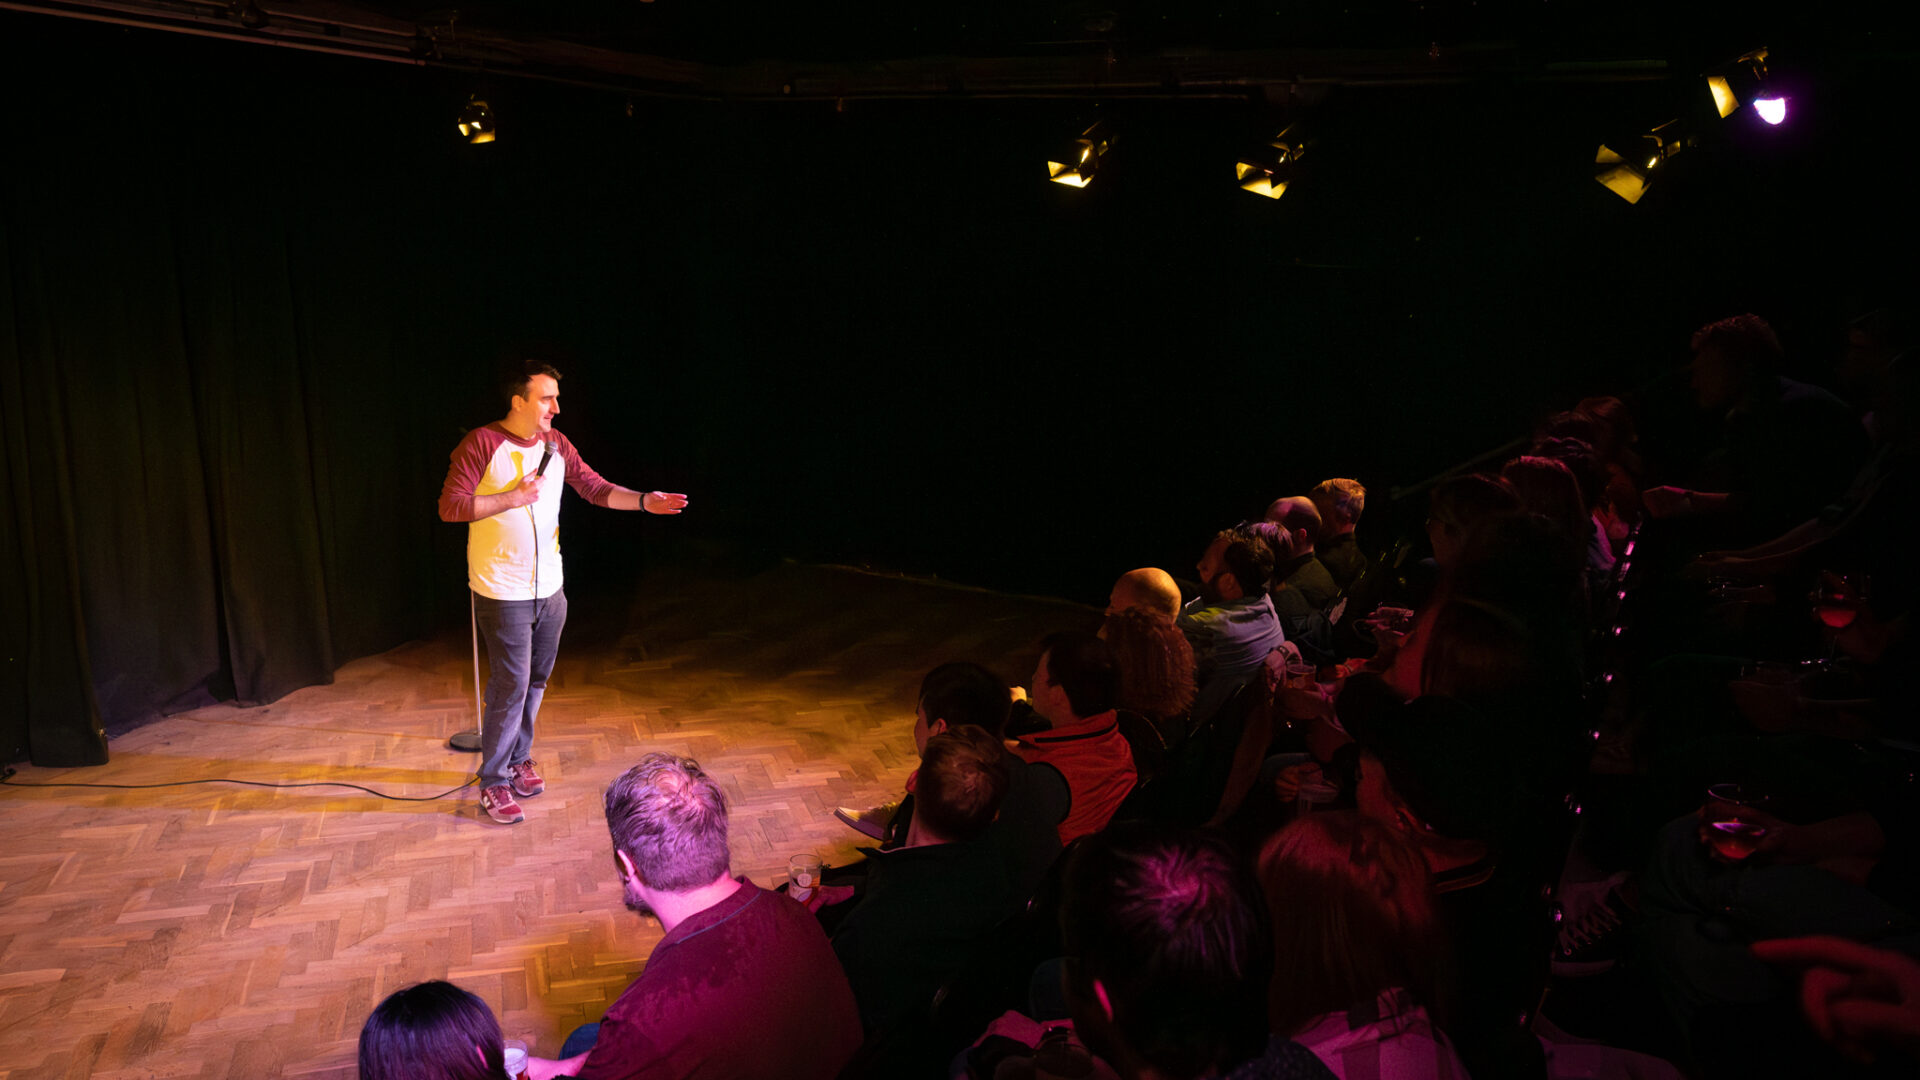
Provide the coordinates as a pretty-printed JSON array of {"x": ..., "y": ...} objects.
[
  {"x": 483, "y": 438},
  {"x": 1284, "y": 1059}
]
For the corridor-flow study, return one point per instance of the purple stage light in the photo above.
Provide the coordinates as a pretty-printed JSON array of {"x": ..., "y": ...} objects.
[{"x": 1771, "y": 109}]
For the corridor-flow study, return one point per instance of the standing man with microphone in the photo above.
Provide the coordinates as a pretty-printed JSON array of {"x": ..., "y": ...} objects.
[{"x": 505, "y": 481}]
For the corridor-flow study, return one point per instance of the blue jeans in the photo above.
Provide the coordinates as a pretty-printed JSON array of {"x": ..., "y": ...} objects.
[
  {"x": 580, "y": 1041},
  {"x": 523, "y": 638}
]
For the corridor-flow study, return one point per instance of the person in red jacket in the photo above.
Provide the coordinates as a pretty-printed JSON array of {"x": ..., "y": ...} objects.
[{"x": 1073, "y": 690}]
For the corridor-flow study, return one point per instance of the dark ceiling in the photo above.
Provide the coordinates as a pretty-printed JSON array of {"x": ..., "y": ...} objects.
[{"x": 760, "y": 49}]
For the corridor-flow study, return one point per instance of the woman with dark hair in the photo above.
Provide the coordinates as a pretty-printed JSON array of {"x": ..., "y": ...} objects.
[
  {"x": 1355, "y": 936},
  {"x": 432, "y": 1031},
  {"x": 1156, "y": 668},
  {"x": 1457, "y": 504}
]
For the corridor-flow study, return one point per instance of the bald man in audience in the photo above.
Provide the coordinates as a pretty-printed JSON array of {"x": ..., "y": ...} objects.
[
  {"x": 1149, "y": 588},
  {"x": 1303, "y": 575}
]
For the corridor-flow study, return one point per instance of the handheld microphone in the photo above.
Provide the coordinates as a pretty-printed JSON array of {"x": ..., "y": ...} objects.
[{"x": 544, "y": 458}]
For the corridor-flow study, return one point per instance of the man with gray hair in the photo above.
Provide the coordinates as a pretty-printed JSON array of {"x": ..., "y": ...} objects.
[{"x": 742, "y": 976}]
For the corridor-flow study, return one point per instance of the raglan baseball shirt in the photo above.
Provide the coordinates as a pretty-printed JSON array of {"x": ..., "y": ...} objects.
[{"x": 515, "y": 554}]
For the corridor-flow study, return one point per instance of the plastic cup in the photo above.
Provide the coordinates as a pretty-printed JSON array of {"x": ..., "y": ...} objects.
[
  {"x": 1302, "y": 676},
  {"x": 515, "y": 1055},
  {"x": 1732, "y": 836},
  {"x": 803, "y": 875}
]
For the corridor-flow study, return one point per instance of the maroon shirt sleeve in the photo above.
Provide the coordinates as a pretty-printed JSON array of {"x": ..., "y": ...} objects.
[
  {"x": 588, "y": 484},
  {"x": 468, "y": 465}
]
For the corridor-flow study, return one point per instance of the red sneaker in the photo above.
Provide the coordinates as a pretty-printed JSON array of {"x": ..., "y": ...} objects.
[
  {"x": 526, "y": 780},
  {"x": 498, "y": 802}
]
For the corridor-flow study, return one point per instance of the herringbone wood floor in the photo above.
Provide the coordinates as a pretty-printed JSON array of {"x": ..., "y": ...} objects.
[{"x": 220, "y": 931}]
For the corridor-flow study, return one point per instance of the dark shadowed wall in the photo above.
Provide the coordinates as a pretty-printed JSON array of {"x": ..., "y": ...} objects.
[{"x": 250, "y": 299}]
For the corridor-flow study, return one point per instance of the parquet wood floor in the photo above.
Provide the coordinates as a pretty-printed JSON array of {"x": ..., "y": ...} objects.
[{"x": 219, "y": 931}]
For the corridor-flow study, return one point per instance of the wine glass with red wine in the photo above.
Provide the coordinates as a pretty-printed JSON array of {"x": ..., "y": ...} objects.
[{"x": 1837, "y": 601}]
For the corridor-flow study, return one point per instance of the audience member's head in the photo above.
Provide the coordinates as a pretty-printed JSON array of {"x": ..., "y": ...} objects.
[
  {"x": 1457, "y": 504},
  {"x": 669, "y": 826},
  {"x": 1589, "y": 473},
  {"x": 1170, "y": 952},
  {"x": 1077, "y": 677},
  {"x": 1237, "y": 564},
  {"x": 1480, "y": 652},
  {"x": 1728, "y": 355},
  {"x": 1572, "y": 424},
  {"x": 1149, "y": 588},
  {"x": 962, "y": 778},
  {"x": 431, "y": 1031},
  {"x": 1340, "y": 502},
  {"x": 1297, "y": 515},
  {"x": 1873, "y": 340},
  {"x": 1520, "y": 564},
  {"x": 1155, "y": 661},
  {"x": 1613, "y": 426},
  {"x": 1353, "y": 916},
  {"x": 959, "y": 693},
  {"x": 1278, "y": 540},
  {"x": 1548, "y": 488}
]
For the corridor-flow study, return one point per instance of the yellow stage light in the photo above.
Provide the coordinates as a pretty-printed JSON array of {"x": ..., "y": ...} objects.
[
  {"x": 476, "y": 122},
  {"x": 1738, "y": 81},
  {"x": 1620, "y": 170},
  {"x": 1083, "y": 157},
  {"x": 1269, "y": 170}
]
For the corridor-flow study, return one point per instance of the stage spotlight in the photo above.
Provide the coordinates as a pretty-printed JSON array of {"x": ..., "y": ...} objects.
[
  {"x": 476, "y": 121},
  {"x": 1082, "y": 157},
  {"x": 1738, "y": 81},
  {"x": 1269, "y": 170},
  {"x": 1626, "y": 166},
  {"x": 1771, "y": 109}
]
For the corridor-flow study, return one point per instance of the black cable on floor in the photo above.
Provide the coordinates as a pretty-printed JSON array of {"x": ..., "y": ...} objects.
[{"x": 6, "y": 780}]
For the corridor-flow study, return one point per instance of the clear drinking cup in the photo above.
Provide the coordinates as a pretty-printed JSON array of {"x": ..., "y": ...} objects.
[
  {"x": 803, "y": 875},
  {"x": 1732, "y": 835},
  {"x": 515, "y": 1054}
]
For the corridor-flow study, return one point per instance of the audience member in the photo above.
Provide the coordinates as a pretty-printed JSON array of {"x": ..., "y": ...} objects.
[
  {"x": 929, "y": 902},
  {"x": 1231, "y": 624},
  {"x": 1339, "y": 502},
  {"x": 1169, "y": 959},
  {"x": 1548, "y": 488},
  {"x": 1788, "y": 447},
  {"x": 1302, "y": 574},
  {"x": 1591, "y": 477},
  {"x": 1457, "y": 504},
  {"x": 431, "y": 1031},
  {"x": 743, "y": 975},
  {"x": 1149, "y": 588},
  {"x": 1449, "y": 780},
  {"x": 1357, "y": 948},
  {"x": 1026, "y": 832},
  {"x": 1073, "y": 690},
  {"x": 1156, "y": 668},
  {"x": 1613, "y": 443}
]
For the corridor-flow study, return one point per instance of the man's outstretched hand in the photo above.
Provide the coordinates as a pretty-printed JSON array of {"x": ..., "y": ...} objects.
[
  {"x": 1857, "y": 997},
  {"x": 662, "y": 502}
]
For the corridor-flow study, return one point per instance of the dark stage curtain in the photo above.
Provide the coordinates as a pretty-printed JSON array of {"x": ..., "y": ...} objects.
[{"x": 218, "y": 481}]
